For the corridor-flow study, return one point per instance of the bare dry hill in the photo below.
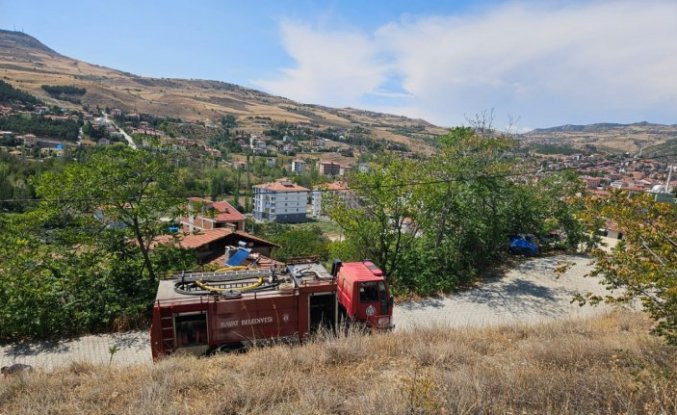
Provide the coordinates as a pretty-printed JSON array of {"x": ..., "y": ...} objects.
[
  {"x": 28, "y": 64},
  {"x": 605, "y": 136}
]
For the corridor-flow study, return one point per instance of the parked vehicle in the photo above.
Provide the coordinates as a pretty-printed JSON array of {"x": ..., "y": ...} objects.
[
  {"x": 363, "y": 294},
  {"x": 201, "y": 313},
  {"x": 522, "y": 244}
]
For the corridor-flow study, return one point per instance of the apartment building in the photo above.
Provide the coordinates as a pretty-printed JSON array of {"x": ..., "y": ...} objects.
[
  {"x": 280, "y": 201},
  {"x": 337, "y": 189},
  {"x": 329, "y": 168}
]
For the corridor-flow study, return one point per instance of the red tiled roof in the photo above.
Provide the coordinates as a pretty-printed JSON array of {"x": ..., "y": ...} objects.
[
  {"x": 339, "y": 185},
  {"x": 193, "y": 240},
  {"x": 226, "y": 211},
  {"x": 282, "y": 186},
  {"x": 202, "y": 238}
]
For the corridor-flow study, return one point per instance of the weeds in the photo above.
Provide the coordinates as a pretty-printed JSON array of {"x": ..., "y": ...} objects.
[{"x": 606, "y": 365}]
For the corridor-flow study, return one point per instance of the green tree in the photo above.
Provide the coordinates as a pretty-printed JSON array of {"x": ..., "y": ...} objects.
[
  {"x": 80, "y": 253},
  {"x": 236, "y": 189},
  {"x": 376, "y": 229},
  {"x": 128, "y": 189},
  {"x": 438, "y": 223},
  {"x": 297, "y": 241},
  {"x": 643, "y": 265}
]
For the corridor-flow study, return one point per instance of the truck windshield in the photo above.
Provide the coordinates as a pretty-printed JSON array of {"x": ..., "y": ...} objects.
[{"x": 371, "y": 291}]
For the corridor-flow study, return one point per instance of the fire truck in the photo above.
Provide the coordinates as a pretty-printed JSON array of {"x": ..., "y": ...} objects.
[{"x": 201, "y": 313}]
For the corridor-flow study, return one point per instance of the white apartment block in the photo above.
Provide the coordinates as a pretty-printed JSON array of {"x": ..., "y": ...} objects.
[{"x": 280, "y": 201}]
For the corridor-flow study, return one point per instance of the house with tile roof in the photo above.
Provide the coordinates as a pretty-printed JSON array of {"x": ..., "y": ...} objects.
[
  {"x": 210, "y": 246},
  {"x": 203, "y": 214}
]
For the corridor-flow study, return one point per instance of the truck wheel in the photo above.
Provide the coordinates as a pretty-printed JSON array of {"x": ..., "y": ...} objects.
[{"x": 227, "y": 348}]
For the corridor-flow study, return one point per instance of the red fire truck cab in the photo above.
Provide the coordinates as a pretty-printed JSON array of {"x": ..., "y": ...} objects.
[{"x": 363, "y": 294}]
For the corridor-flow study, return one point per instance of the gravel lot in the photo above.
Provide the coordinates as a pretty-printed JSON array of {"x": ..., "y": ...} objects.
[{"x": 528, "y": 293}]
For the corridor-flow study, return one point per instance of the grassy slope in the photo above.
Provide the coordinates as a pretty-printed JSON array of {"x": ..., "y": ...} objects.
[{"x": 606, "y": 365}]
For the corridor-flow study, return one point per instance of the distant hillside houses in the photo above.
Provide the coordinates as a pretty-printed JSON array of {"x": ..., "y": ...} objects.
[
  {"x": 333, "y": 169},
  {"x": 298, "y": 166}
]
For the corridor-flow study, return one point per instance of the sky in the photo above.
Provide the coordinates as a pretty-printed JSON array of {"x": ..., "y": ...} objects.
[{"x": 534, "y": 63}]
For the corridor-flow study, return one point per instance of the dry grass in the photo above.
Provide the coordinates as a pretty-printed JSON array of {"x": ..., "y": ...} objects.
[{"x": 607, "y": 365}]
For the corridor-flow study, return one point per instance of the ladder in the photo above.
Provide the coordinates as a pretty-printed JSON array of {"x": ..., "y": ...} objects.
[{"x": 167, "y": 327}]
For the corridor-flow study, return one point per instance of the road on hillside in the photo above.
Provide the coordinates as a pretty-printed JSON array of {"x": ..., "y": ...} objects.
[
  {"x": 529, "y": 292},
  {"x": 129, "y": 139}
]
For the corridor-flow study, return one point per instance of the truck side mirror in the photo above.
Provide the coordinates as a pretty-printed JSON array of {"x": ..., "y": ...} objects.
[
  {"x": 335, "y": 266},
  {"x": 391, "y": 300}
]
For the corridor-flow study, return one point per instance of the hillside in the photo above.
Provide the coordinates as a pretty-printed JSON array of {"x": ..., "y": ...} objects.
[
  {"x": 28, "y": 64},
  {"x": 611, "y": 137},
  {"x": 608, "y": 365}
]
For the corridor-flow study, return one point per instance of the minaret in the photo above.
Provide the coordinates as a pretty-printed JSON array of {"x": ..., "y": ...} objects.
[{"x": 667, "y": 182}]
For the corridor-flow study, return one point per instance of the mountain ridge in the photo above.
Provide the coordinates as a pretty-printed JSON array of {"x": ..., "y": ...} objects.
[
  {"x": 28, "y": 64},
  {"x": 13, "y": 38},
  {"x": 598, "y": 126}
]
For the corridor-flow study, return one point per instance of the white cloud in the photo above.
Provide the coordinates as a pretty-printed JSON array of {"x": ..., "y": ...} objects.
[
  {"x": 333, "y": 68},
  {"x": 586, "y": 62}
]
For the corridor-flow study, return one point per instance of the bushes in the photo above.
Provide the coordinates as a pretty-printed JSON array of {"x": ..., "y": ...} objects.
[
  {"x": 46, "y": 297},
  {"x": 65, "y": 270},
  {"x": 436, "y": 224},
  {"x": 297, "y": 241},
  {"x": 65, "y": 92},
  {"x": 63, "y": 129},
  {"x": 8, "y": 94},
  {"x": 57, "y": 90}
]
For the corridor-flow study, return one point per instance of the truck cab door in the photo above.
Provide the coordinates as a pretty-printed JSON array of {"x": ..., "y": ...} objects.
[
  {"x": 383, "y": 298},
  {"x": 373, "y": 298}
]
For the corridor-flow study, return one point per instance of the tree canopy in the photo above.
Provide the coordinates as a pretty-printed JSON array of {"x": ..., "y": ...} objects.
[
  {"x": 643, "y": 265},
  {"x": 123, "y": 188},
  {"x": 80, "y": 260},
  {"x": 433, "y": 225}
]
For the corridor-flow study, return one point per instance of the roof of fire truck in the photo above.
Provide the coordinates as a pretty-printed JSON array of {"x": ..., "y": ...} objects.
[
  {"x": 361, "y": 271},
  {"x": 249, "y": 282}
]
